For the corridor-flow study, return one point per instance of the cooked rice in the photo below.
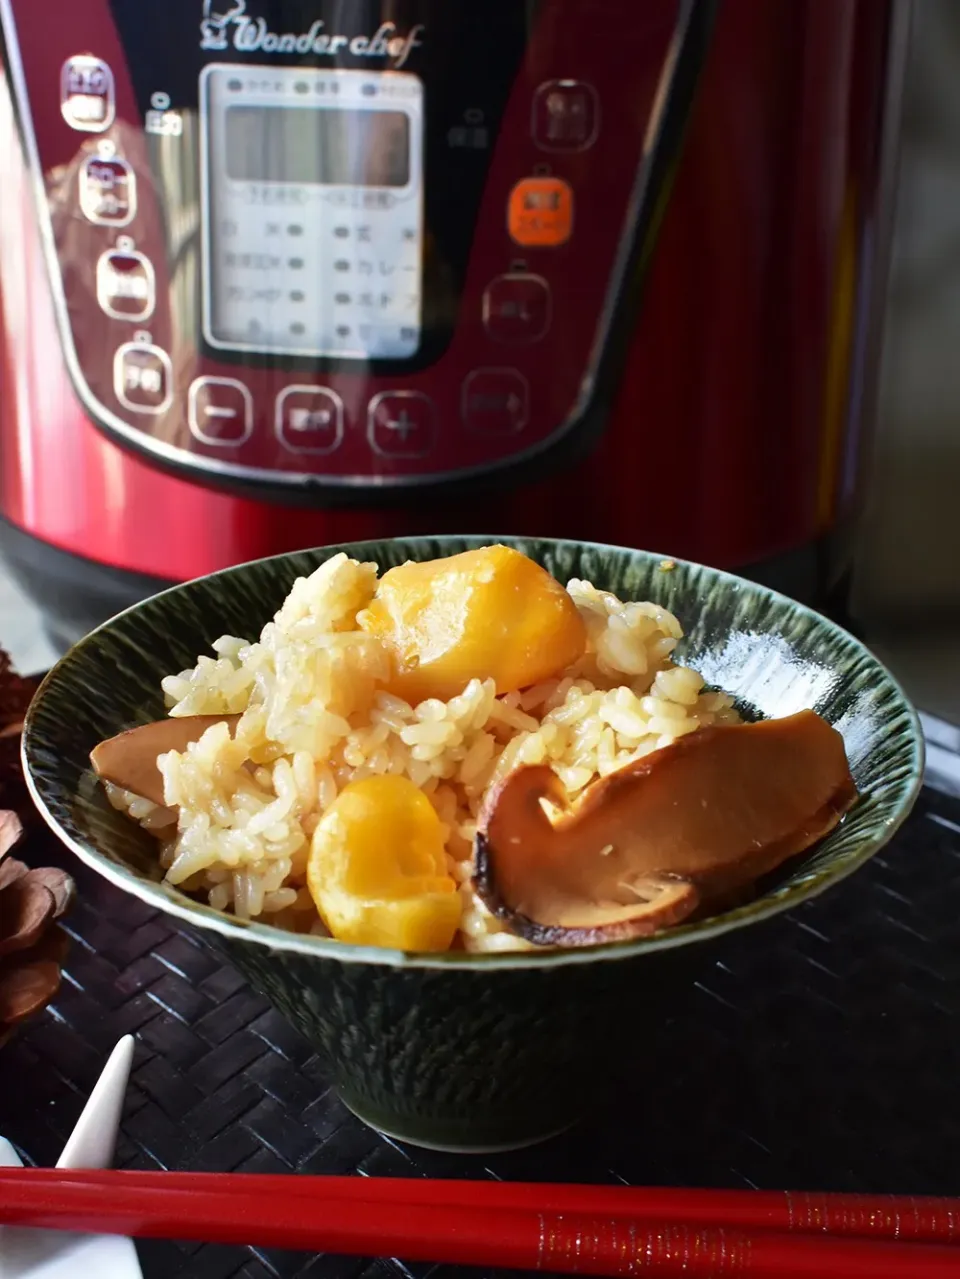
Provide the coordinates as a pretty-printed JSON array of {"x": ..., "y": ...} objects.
[{"x": 314, "y": 717}]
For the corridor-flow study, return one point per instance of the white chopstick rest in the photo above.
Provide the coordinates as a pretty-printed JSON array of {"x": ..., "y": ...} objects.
[
  {"x": 93, "y": 1142},
  {"x": 53, "y": 1254}
]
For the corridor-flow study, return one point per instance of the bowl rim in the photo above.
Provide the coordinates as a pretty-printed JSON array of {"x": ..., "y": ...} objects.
[{"x": 232, "y": 930}]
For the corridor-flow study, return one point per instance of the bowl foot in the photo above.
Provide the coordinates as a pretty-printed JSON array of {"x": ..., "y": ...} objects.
[{"x": 453, "y": 1138}]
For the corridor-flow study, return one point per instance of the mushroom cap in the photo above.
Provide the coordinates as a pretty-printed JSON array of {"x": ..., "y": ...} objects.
[
  {"x": 129, "y": 760},
  {"x": 646, "y": 845}
]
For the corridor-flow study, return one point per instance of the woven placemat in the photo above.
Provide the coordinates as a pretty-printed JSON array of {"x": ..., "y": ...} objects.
[{"x": 824, "y": 1055}]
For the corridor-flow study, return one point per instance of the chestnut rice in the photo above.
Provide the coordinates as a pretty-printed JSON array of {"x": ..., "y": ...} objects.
[{"x": 241, "y": 811}]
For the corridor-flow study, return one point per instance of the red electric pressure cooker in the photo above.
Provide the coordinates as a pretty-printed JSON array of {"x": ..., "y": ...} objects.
[{"x": 278, "y": 273}]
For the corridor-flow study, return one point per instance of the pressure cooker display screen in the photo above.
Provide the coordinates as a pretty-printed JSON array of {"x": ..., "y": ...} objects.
[
  {"x": 312, "y": 186},
  {"x": 329, "y": 147}
]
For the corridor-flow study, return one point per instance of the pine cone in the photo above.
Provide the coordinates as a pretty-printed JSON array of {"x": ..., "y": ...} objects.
[
  {"x": 16, "y": 692},
  {"x": 32, "y": 946}
]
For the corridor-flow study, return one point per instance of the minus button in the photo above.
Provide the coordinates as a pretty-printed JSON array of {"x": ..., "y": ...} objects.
[{"x": 220, "y": 411}]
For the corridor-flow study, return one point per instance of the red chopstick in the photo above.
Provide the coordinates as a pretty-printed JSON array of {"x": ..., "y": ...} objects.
[
  {"x": 356, "y": 1216},
  {"x": 907, "y": 1219}
]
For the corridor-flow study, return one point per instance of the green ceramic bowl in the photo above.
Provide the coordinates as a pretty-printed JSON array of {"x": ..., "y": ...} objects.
[{"x": 494, "y": 1051}]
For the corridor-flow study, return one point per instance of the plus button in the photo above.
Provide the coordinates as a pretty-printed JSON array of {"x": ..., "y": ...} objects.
[{"x": 402, "y": 424}]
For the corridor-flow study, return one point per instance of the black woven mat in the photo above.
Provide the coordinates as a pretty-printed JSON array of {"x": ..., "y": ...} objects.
[{"x": 825, "y": 1054}]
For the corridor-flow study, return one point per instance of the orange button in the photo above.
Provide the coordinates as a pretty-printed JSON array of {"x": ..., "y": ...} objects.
[{"x": 540, "y": 212}]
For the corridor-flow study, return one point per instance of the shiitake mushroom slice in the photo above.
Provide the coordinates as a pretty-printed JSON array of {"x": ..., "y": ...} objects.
[
  {"x": 129, "y": 760},
  {"x": 646, "y": 846}
]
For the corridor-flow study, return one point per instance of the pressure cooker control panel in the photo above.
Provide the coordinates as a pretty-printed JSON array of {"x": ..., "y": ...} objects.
[{"x": 347, "y": 254}]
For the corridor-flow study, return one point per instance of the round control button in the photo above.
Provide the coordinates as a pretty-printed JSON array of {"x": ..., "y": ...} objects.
[
  {"x": 401, "y": 424},
  {"x": 143, "y": 377},
  {"x": 220, "y": 411},
  {"x": 496, "y": 401},
  {"x": 126, "y": 285},
  {"x": 517, "y": 308},
  {"x": 108, "y": 191},
  {"x": 309, "y": 419},
  {"x": 566, "y": 115},
  {"x": 87, "y": 94},
  {"x": 540, "y": 213}
]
